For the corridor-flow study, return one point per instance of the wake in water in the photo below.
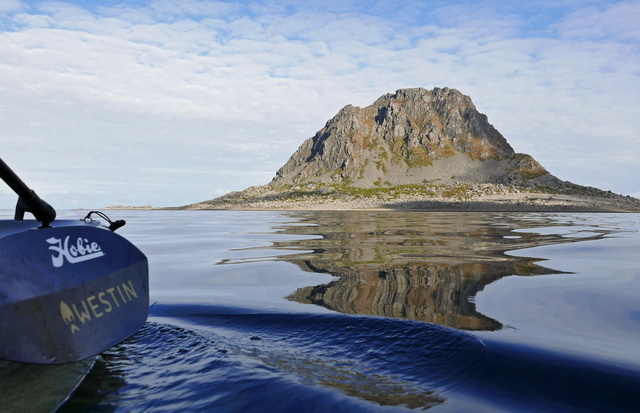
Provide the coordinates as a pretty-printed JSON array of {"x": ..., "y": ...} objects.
[
  {"x": 220, "y": 359},
  {"x": 225, "y": 361}
]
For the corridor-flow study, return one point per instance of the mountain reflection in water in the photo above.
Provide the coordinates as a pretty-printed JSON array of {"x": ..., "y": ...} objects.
[{"x": 419, "y": 266}]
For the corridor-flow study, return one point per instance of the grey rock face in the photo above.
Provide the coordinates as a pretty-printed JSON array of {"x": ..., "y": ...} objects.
[{"x": 411, "y": 136}]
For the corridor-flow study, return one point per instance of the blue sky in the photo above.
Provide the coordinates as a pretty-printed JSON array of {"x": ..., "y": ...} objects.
[{"x": 166, "y": 103}]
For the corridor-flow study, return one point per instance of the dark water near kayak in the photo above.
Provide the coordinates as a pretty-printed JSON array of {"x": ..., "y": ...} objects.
[{"x": 379, "y": 311}]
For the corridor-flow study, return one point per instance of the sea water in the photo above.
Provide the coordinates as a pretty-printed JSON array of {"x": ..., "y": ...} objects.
[{"x": 379, "y": 311}]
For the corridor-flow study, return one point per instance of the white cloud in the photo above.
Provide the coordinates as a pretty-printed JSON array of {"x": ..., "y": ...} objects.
[
  {"x": 620, "y": 21},
  {"x": 184, "y": 85},
  {"x": 10, "y": 6}
]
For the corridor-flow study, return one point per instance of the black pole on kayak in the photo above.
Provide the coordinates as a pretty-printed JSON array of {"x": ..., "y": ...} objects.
[{"x": 28, "y": 200}]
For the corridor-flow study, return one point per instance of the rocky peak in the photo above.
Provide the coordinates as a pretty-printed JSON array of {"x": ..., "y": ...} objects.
[{"x": 410, "y": 136}]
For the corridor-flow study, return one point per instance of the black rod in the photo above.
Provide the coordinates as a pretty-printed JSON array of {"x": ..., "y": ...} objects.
[{"x": 28, "y": 200}]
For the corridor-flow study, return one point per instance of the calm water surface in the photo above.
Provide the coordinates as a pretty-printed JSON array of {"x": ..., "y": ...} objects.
[{"x": 379, "y": 311}]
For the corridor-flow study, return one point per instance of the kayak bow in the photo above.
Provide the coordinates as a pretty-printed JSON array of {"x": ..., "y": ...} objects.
[{"x": 68, "y": 289}]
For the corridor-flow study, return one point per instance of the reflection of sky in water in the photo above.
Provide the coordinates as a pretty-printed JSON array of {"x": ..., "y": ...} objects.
[
  {"x": 591, "y": 311},
  {"x": 222, "y": 334},
  {"x": 454, "y": 269}
]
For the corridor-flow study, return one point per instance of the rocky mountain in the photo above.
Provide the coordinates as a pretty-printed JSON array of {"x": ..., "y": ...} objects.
[
  {"x": 410, "y": 137},
  {"x": 416, "y": 149}
]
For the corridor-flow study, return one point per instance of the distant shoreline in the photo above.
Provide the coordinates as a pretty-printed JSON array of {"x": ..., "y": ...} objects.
[{"x": 127, "y": 207}]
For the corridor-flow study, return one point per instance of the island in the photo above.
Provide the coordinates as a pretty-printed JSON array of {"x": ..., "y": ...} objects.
[{"x": 416, "y": 149}]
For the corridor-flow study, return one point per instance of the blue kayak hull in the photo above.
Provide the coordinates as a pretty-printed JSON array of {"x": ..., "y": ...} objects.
[{"x": 68, "y": 292}]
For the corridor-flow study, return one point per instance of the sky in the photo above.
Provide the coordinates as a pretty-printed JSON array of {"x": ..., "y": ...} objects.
[{"x": 171, "y": 102}]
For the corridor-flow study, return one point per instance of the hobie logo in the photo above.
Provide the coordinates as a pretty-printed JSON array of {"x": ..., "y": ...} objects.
[{"x": 82, "y": 250}]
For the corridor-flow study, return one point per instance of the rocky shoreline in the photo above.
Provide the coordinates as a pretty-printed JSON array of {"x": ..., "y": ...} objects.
[{"x": 433, "y": 197}]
